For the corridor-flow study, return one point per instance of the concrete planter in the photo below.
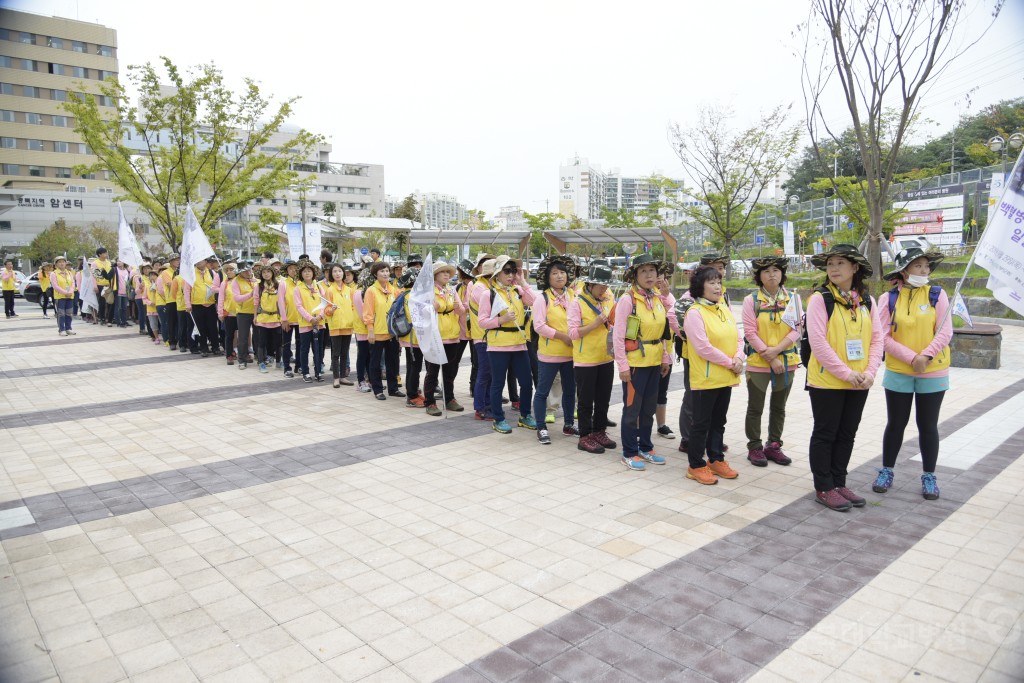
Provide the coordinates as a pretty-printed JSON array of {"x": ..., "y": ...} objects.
[{"x": 977, "y": 348}]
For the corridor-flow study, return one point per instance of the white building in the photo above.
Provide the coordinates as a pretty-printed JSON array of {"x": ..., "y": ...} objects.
[
  {"x": 440, "y": 211},
  {"x": 580, "y": 189},
  {"x": 511, "y": 218}
]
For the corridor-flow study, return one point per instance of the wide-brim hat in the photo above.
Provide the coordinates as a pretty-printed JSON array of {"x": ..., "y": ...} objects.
[
  {"x": 566, "y": 262},
  {"x": 407, "y": 280},
  {"x": 306, "y": 263},
  {"x": 848, "y": 252},
  {"x": 466, "y": 267},
  {"x": 441, "y": 267},
  {"x": 481, "y": 258},
  {"x": 641, "y": 260},
  {"x": 60, "y": 258},
  {"x": 712, "y": 257},
  {"x": 762, "y": 262},
  {"x": 908, "y": 256},
  {"x": 412, "y": 259},
  {"x": 173, "y": 256},
  {"x": 599, "y": 274},
  {"x": 667, "y": 269},
  {"x": 486, "y": 268},
  {"x": 502, "y": 261}
]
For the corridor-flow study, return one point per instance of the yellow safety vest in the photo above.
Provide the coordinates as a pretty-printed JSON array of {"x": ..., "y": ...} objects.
[
  {"x": 771, "y": 329},
  {"x": 268, "y": 312},
  {"x": 723, "y": 335},
  {"x": 476, "y": 332},
  {"x": 652, "y": 329},
  {"x": 841, "y": 328},
  {"x": 244, "y": 287},
  {"x": 382, "y": 300},
  {"x": 592, "y": 347},
  {"x": 289, "y": 300},
  {"x": 358, "y": 326},
  {"x": 447, "y": 320},
  {"x": 66, "y": 280},
  {"x": 913, "y": 325},
  {"x": 344, "y": 313},
  {"x": 180, "y": 298},
  {"x": 508, "y": 334},
  {"x": 103, "y": 266},
  {"x": 202, "y": 289},
  {"x": 310, "y": 299},
  {"x": 558, "y": 319}
]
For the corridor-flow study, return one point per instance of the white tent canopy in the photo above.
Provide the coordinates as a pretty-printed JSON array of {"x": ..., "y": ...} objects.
[{"x": 350, "y": 223}]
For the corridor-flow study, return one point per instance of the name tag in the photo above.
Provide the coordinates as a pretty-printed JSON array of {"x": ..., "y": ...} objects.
[{"x": 854, "y": 349}]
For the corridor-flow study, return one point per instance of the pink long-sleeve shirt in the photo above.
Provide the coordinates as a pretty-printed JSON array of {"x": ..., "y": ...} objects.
[
  {"x": 483, "y": 305},
  {"x": 214, "y": 287},
  {"x": 281, "y": 310},
  {"x": 941, "y": 340},
  {"x": 221, "y": 299},
  {"x": 540, "y": 321},
  {"x": 576, "y": 323},
  {"x": 57, "y": 288},
  {"x": 464, "y": 315},
  {"x": 817, "y": 334},
  {"x": 697, "y": 337},
  {"x": 750, "y": 332},
  {"x": 236, "y": 292},
  {"x": 305, "y": 317},
  {"x": 357, "y": 303},
  {"x": 624, "y": 309}
]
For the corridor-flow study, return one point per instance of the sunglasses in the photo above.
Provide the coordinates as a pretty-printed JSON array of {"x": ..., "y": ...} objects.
[{"x": 509, "y": 271}]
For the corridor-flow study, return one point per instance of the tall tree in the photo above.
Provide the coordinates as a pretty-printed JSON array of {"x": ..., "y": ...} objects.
[
  {"x": 881, "y": 55},
  {"x": 730, "y": 169},
  {"x": 59, "y": 239},
  {"x": 538, "y": 224},
  {"x": 267, "y": 238},
  {"x": 196, "y": 143},
  {"x": 407, "y": 209}
]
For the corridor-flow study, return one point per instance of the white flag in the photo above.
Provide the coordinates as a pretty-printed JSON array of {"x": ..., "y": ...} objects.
[
  {"x": 794, "y": 312},
  {"x": 127, "y": 247},
  {"x": 87, "y": 292},
  {"x": 423, "y": 315},
  {"x": 194, "y": 247},
  {"x": 1001, "y": 250},
  {"x": 498, "y": 307},
  {"x": 960, "y": 310}
]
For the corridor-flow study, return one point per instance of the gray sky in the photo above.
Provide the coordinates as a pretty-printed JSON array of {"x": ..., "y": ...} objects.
[{"x": 484, "y": 100}]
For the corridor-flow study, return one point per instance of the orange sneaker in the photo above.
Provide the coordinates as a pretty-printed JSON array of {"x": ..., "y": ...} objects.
[
  {"x": 417, "y": 402},
  {"x": 702, "y": 475},
  {"x": 722, "y": 469}
]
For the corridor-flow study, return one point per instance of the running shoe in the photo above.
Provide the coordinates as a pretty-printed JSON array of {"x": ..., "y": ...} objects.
[
  {"x": 883, "y": 482},
  {"x": 633, "y": 463},
  {"x": 502, "y": 427},
  {"x": 544, "y": 437},
  {"x": 549, "y": 417},
  {"x": 666, "y": 431},
  {"x": 832, "y": 500},
  {"x": 527, "y": 422},
  {"x": 929, "y": 487},
  {"x": 855, "y": 500},
  {"x": 652, "y": 457},
  {"x": 570, "y": 430}
]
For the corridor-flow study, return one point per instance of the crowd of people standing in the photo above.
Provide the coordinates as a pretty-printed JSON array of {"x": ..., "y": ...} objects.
[{"x": 562, "y": 341}]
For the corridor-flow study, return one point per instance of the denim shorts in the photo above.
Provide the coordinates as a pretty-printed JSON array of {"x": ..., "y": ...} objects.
[{"x": 908, "y": 384}]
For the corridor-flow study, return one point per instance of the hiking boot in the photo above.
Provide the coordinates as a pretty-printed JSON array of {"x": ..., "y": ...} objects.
[
  {"x": 502, "y": 427},
  {"x": 702, "y": 475},
  {"x": 757, "y": 457},
  {"x": 307, "y": 379},
  {"x": 855, "y": 500},
  {"x": 570, "y": 430},
  {"x": 483, "y": 415},
  {"x": 454, "y": 406},
  {"x": 433, "y": 410},
  {"x": 289, "y": 374},
  {"x": 397, "y": 393},
  {"x": 515, "y": 404},
  {"x": 549, "y": 417},
  {"x": 666, "y": 431},
  {"x": 634, "y": 463},
  {"x": 929, "y": 487},
  {"x": 527, "y": 422},
  {"x": 773, "y": 451},
  {"x": 721, "y": 468},
  {"x": 832, "y": 500},
  {"x": 609, "y": 423},
  {"x": 601, "y": 439},
  {"x": 415, "y": 402},
  {"x": 684, "y": 446},
  {"x": 544, "y": 437},
  {"x": 345, "y": 381},
  {"x": 883, "y": 482},
  {"x": 652, "y": 457},
  {"x": 231, "y": 360},
  {"x": 589, "y": 444}
]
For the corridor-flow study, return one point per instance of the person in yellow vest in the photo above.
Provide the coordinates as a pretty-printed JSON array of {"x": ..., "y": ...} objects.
[
  {"x": 243, "y": 290},
  {"x": 184, "y": 326},
  {"x": 664, "y": 287},
  {"x": 227, "y": 311},
  {"x": 62, "y": 279},
  {"x": 45, "y": 291},
  {"x": 8, "y": 281},
  {"x": 340, "y": 319},
  {"x": 554, "y": 348},
  {"x": 716, "y": 363},
  {"x": 590, "y": 317},
  {"x": 640, "y": 336},
  {"x": 360, "y": 331},
  {"x": 480, "y": 367},
  {"x": 772, "y": 358},
  {"x": 270, "y": 311},
  {"x": 147, "y": 309},
  {"x": 410, "y": 343},
  {"x": 377, "y": 302},
  {"x": 846, "y": 352},
  {"x": 449, "y": 312},
  {"x": 103, "y": 272},
  {"x": 165, "y": 283},
  {"x": 290, "y": 324},
  {"x": 918, "y": 329},
  {"x": 200, "y": 300},
  {"x": 306, "y": 296}
]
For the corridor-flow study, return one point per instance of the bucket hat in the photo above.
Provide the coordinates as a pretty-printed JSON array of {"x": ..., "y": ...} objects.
[
  {"x": 848, "y": 252},
  {"x": 641, "y": 260},
  {"x": 567, "y": 263},
  {"x": 908, "y": 256}
]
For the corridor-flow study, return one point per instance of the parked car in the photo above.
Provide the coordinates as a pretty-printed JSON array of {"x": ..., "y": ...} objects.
[
  {"x": 32, "y": 292},
  {"x": 26, "y": 281}
]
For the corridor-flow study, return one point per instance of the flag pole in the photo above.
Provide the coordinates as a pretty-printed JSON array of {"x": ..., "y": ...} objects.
[{"x": 956, "y": 291}]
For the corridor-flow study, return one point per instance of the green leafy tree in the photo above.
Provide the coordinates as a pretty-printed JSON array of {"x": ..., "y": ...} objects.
[
  {"x": 407, "y": 209},
  {"x": 268, "y": 238},
  {"x": 730, "y": 170},
  {"x": 57, "y": 240},
  {"x": 330, "y": 208},
  {"x": 539, "y": 223},
  {"x": 852, "y": 193},
  {"x": 103, "y": 235},
  {"x": 196, "y": 144}
]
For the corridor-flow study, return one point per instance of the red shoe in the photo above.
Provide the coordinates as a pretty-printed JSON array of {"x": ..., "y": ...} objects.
[
  {"x": 589, "y": 444},
  {"x": 832, "y": 500},
  {"x": 602, "y": 439},
  {"x": 484, "y": 415},
  {"x": 415, "y": 402},
  {"x": 757, "y": 458},
  {"x": 855, "y": 500},
  {"x": 515, "y": 405},
  {"x": 773, "y": 452}
]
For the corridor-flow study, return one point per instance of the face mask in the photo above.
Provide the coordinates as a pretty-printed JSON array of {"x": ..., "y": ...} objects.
[{"x": 917, "y": 280}]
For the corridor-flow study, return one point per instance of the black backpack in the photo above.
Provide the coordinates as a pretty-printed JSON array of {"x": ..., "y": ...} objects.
[
  {"x": 830, "y": 306},
  {"x": 399, "y": 324}
]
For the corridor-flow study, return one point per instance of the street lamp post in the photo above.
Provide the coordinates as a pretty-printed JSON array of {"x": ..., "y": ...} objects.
[
  {"x": 306, "y": 188},
  {"x": 998, "y": 144}
]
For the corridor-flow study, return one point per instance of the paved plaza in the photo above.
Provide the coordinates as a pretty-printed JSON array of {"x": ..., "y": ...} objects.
[{"x": 169, "y": 518}]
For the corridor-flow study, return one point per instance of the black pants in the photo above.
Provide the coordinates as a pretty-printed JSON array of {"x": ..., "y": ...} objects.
[
  {"x": 170, "y": 332},
  {"x": 472, "y": 366},
  {"x": 104, "y": 311},
  {"x": 388, "y": 350},
  {"x": 286, "y": 347},
  {"x": 837, "y": 414},
  {"x": 230, "y": 329},
  {"x": 185, "y": 339},
  {"x": 413, "y": 368},
  {"x": 686, "y": 407},
  {"x": 268, "y": 343},
  {"x": 593, "y": 394},
  {"x": 46, "y": 301},
  {"x": 244, "y": 322},
  {"x": 898, "y": 407},
  {"x": 707, "y": 434},
  {"x": 362, "y": 359},
  {"x": 447, "y": 371},
  {"x": 340, "y": 344},
  {"x": 206, "y": 323},
  {"x": 8, "y": 302}
]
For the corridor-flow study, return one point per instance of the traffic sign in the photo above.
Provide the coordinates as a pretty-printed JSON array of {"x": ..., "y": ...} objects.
[
  {"x": 364, "y": 251},
  {"x": 759, "y": 239}
]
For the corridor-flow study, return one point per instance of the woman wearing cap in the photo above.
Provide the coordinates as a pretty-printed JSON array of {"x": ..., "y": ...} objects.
[
  {"x": 555, "y": 347},
  {"x": 716, "y": 363},
  {"x": 227, "y": 309},
  {"x": 377, "y": 302},
  {"x": 589, "y": 326},
  {"x": 307, "y": 297},
  {"x": 772, "y": 358},
  {"x": 846, "y": 351},
  {"x": 147, "y": 307},
  {"x": 243, "y": 289},
  {"x": 45, "y": 291},
  {"x": 449, "y": 310},
  {"x": 506, "y": 338},
  {"x": 641, "y": 355},
  {"x": 290, "y": 323},
  {"x": 917, "y": 332},
  {"x": 410, "y": 342},
  {"x": 340, "y": 317},
  {"x": 361, "y": 333},
  {"x": 270, "y": 311},
  {"x": 62, "y": 279},
  {"x": 480, "y": 373}
]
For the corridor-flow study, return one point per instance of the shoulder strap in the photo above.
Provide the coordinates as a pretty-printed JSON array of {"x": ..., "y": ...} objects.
[
  {"x": 894, "y": 294},
  {"x": 933, "y": 295},
  {"x": 830, "y": 301}
]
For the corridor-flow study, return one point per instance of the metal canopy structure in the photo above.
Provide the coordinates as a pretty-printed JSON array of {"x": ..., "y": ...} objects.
[
  {"x": 561, "y": 239},
  {"x": 351, "y": 223},
  {"x": 424, "y": 238}
]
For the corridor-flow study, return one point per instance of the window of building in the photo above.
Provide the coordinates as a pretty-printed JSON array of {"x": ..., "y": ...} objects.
[
  {"x": 273, "y": 202},
  {"x": 60, "y": 121},
  {"x": 77, "y": 46},
  {"x": 26, "y": 38},
  {"x": 105, "y": 51},
  {"x": 36, "y": 171},
  {"x": 88, "y": 176},
  {"x": 259, "y": 200},
  {"x": 314, "y": 203},
  {"x": 57, "y": 69},
  {"x": 105, "y": 101},
  {"x": 79, "y": 72},
  {"x": 10, "y": 169},
  {"x": 5, "y": 61},
  {"x": 29, "y": 91},
  {"x": 59, "y": 146},
  {"x": 5, "y": 226},
  {"x": 6, "y": 115},
  {"x": 36, "y": 119},
  {"x": 59, "y": 95},
  {"x": 63, "y": 172},
  {"x": 6, "y": 89},
  {"x": 35, "y": 145},
  {"x": 84, "y": 148},
  {"x": 55, "y": 43},
  {"x": 5, "y": 34},
  {"x": 28, "y": 64},
  {"x": 9, "y": 143},
  {"x": 104, "y": 75}
]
